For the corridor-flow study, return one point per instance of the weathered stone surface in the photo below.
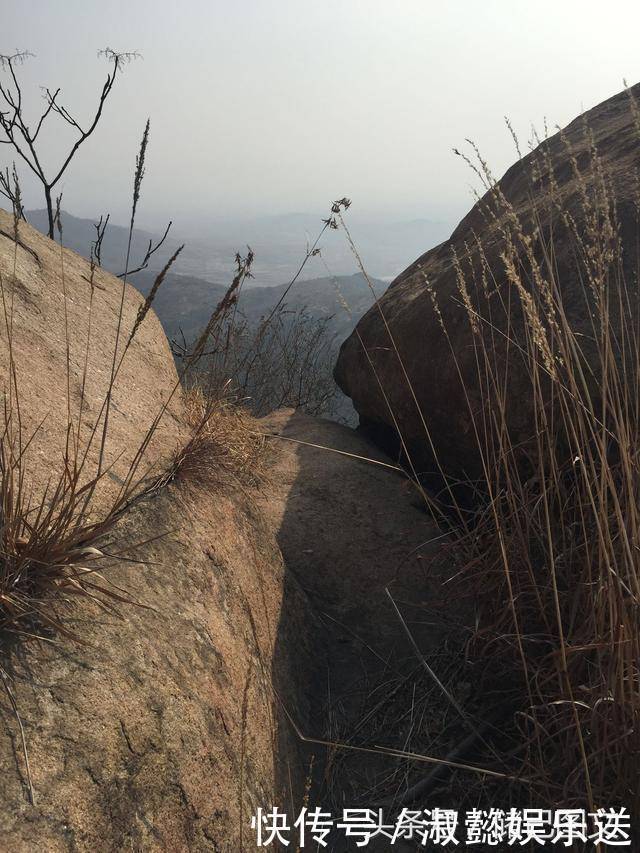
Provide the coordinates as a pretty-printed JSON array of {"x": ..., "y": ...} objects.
[
  {"x": 160, "y": 729},
  {"x": 161, "y": 732},
  {"x": 35, "y": 276},
  {"x": 443, "y": 371}
]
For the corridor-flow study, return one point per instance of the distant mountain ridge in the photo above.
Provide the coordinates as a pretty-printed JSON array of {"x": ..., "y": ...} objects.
[
  {"x": 184, "y": 303},
  {"x": 279, "y": 242}
]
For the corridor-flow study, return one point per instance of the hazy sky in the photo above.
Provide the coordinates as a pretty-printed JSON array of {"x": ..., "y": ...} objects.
[{"x": 270, "y": 106}]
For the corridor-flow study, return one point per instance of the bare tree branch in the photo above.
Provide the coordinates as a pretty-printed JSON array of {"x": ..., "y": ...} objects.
[
  {"x": 9, "y": 188},
  {"x": 16, "y": 58},
  {"x": 62, "y": 111},
  {"x": 151, "y": 249},
  {"x": 96, "y": 247},
  {"x": 45, "y": 113},
  {"x": 18, "y": 134}
]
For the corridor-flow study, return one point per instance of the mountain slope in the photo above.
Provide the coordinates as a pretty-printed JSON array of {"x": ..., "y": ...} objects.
[{"x": 184, "y": 303}]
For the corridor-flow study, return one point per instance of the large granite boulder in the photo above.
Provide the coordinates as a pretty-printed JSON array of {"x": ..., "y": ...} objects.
[
  {"x": 153, "y": 726},
  {"x": 572, "y": 187}
]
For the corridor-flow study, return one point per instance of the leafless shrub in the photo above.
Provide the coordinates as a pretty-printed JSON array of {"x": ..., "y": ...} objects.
[{"x": 285, "y": 361}]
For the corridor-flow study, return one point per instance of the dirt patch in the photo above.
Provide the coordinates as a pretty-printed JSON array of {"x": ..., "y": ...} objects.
[{"x": 349, "y": 529}]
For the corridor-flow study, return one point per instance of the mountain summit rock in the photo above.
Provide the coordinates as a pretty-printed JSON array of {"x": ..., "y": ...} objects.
[{"x": 582, "y": 178}]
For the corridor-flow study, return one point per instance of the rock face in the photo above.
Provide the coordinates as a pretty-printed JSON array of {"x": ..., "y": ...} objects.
[
  {"x": 160, "y": 729},
  {"x": 35, "y": 275},
  {"x": 349, "y": 527},
  {"x": 168, "y": 723},
  {"x": 161, "y": 732},
  {"x": 554, "y": 175}
]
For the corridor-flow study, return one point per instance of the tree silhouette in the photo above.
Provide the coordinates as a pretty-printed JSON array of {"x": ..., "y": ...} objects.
[{"x": 23, "y": 139}]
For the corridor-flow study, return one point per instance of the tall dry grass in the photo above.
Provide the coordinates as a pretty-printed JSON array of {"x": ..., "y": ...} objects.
[
  {"x": 554, "y": 552},
  {"x": 53, "y": 544},
  {"x": 551, "y": 555},
  {"x": 50, "y": 544},
  {"x": 285, "y": 359}
]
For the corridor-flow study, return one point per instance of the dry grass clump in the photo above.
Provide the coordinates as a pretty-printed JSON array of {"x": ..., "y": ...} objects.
[
  {"x": 553, "y": 557},
  {"x": 226, "y": 444},
  {"x": 50, "y": 543},
  {"x": 551, "y": 554},
  {"x": 51, "y": 549}
]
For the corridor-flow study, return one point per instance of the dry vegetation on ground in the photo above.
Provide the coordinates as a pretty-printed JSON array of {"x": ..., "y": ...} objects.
[{"x": 550, "y": 555}]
